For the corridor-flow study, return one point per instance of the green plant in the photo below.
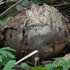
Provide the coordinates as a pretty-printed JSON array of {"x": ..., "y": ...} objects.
[
  {"x": 22, "y": 4},
  {"x": 7, "y": 58},
  {"x": 60, "y": 64},
  {"x": 26, "y": 2},
  {"x": 37, "y": 1},
  {"x": 3, "y": 22},
  {"x": 10, "y": 64},
  {"x": 32, "y": 68}
]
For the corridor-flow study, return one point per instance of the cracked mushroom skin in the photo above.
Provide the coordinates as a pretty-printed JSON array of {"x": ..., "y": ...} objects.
[{"x": 40, "y": 28}]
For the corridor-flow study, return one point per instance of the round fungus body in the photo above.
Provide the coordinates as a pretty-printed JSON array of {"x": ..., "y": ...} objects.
[{"x": 36, "y": 27}]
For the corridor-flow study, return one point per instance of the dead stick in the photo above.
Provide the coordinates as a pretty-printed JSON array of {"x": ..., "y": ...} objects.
[
  {"x": 59, "y": 5},
  {"x": 66, "y": 15},
  {"x": 11, "y": 7},
  {"x": 29, "y": 55}
]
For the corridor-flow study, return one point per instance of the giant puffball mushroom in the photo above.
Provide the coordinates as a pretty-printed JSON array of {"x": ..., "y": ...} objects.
[{"x": 41, "y": 28}]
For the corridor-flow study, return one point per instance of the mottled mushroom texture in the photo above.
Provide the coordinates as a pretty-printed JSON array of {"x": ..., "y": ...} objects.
[{"x": 41, "y": 28}]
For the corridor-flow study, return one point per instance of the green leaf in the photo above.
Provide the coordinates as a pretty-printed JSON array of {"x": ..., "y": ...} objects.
[
  {"x": 40, "y": 68},
  {"x": 49, "y": 66},
  {"x": 6, "y": 59},
  {"x": 58, "y": 68},
  {"x": 24, "y": 65},
  {"x": 22, "y": 4},
  {"x": 8, "y": 49},
  {"x": 0, "y": 58},
  {"x": 25, "y": 3},
  {"x": 10, "y": 54},
  {"x": 66, "y": 66},
  {"x": 68, "y": 61},
  {"x": 68, "y": 40},
  {"x": 9, "y": 65},
  {"x": 6, "y": 54},
  {"x": 30, "y": 68},
  {"x": 37, "y": 1},
  {"x": 60, "y": 63},
  {"x": 60, "y": 59},
  {"x": 3, "y": 53},
  {"x": 1, "y": 64},
  {"x": 36, "y": 68},
  {"x": 4, "y": 22},
  {"x": 19, "y": 7}
]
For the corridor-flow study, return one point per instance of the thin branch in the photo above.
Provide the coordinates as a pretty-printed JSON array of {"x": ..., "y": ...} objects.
[
  {"x": 66, "y": 15},
  {"x": 59, "y": 5},
  {"x": 29, "y": 55},
  {"x": 11, "y": 7},
  {"x": 1, "y": 3}
]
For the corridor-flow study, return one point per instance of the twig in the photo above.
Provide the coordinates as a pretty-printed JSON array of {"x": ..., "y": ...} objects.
[
  {"x": 1, "y": 3},
  {"x": 36, "y": 60},
  {"x": 66, "y": 15},
  {"x": 59, "y": 5},
  {"x": 34, "y": 52},
  {"x": 11, "y": 7}
]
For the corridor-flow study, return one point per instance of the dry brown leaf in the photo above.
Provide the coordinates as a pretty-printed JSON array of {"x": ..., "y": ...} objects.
[{"x": 67, "y": 56}]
